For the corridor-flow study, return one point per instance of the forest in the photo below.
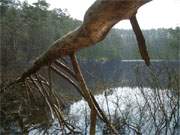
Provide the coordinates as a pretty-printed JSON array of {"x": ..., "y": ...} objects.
[
  {"x": 130, "y": 98},
  {"x": 28, "y": 30}
]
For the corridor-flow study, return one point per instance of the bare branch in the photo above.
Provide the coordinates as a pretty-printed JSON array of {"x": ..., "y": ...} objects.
[{"x": 140, "y": 39}]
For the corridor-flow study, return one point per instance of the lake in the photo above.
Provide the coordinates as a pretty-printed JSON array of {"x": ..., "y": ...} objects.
[
  {"x": 135, "y": 110},
  {"x": 136, "y": 99}
]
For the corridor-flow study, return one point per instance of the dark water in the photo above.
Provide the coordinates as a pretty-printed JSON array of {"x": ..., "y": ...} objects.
[
  {"x": 127, "y": 72},
  {"x": 100, "y": 75},
  {"x": 19, "y": 112}
]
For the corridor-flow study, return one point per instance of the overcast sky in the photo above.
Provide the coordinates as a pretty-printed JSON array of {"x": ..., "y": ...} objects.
[{"x": 156, "y": 14}]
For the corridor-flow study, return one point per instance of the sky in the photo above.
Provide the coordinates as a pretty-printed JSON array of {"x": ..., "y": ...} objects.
[{"x": 155, "y": 14}]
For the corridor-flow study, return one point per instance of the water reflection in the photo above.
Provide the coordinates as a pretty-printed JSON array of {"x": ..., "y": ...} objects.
[
  {"x": 21, "y": 112},
  {"x": 134, "y": 111}
]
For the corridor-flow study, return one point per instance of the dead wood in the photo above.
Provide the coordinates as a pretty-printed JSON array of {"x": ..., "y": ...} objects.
[{"x": 98, "y": 21}]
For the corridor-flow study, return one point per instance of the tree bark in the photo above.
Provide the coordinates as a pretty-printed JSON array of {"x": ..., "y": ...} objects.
[{"x": 140, "y": 39}]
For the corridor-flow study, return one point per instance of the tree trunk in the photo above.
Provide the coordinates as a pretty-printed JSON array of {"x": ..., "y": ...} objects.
[{"x": 98, "y": 21}]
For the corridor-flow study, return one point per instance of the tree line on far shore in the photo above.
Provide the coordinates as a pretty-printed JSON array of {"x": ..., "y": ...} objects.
[{"x": 29, "y": 29}]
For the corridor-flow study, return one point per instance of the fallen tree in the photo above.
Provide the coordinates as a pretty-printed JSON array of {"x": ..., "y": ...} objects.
[{"x": 98, "y": 21}]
